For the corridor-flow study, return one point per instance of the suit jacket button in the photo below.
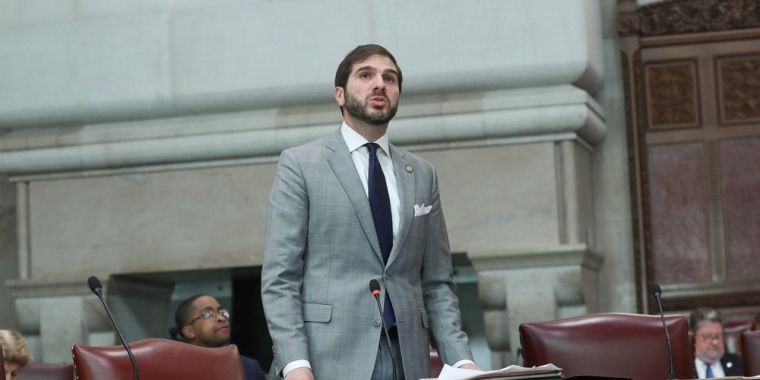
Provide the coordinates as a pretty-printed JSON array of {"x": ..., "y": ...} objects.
[{"x": 376, "y": 322}]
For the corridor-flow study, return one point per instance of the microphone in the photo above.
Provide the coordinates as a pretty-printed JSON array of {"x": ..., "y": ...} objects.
[
  {"x": 374, "y": 287},
  {"x": 657, "y": 292},
  {"x": 97, "y": 288}
]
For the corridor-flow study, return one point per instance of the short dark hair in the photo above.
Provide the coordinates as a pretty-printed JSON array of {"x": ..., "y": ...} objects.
[
  {"x": 360, "y": 54},
  {"x": 182, "y": 316},
  {"x": 704, "y": 314}
]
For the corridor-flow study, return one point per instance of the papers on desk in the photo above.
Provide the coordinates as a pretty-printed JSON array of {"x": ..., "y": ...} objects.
[{"x": 513, "y": 372}]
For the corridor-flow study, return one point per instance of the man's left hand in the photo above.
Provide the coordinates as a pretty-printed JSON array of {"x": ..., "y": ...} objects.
[{"x": 470, "y": 366}]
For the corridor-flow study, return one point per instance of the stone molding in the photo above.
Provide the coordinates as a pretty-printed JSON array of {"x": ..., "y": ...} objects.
[
  {"x": 45, "y": 287},
  {"x": 514, "y": 114},
  {"x": 536, "y": 257}
]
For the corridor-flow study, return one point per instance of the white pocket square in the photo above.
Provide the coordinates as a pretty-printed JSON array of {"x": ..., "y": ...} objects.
[{"x": 421, "y": 210}]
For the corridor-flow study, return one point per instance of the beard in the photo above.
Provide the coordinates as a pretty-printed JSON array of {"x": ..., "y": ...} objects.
[
  {"x": 215, "y": 338},
  {"x": 361, "y": 110}
]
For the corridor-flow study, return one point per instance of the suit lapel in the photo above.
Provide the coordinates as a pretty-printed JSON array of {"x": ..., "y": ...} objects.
[
  {"x": 405, "y": 183},
  {"x": 343, "y": 166}
]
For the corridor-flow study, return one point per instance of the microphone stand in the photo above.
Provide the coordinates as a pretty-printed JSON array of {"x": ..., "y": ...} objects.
[
  {"x": 374, "y": 286},
  {"x": 657, "y": 292},
  {"x": 96, "y": 288}
]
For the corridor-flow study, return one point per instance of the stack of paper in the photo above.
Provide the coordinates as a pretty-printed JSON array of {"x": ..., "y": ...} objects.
[{"x": 513, "y": 372}]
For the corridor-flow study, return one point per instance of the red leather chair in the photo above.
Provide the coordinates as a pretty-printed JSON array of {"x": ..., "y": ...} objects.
[
  {"x": 610, "y": 344},
  {"x": 751, "y": 350},
  {"x": 158, "y": 359},
  {"x": 436, "y": 364},
  {"x": 733, "y": 332},
  {"x": 40, "y": 371}
]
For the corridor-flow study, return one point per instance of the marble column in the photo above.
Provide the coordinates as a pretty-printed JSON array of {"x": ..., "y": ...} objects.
[
  {"x": 53, "y": 312},
  {"x": 63, "y": 313},
  {"x": 520, "y": 285}
]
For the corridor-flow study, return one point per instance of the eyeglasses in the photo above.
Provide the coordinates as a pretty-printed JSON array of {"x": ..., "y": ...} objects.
[
  {"x": 210, "y": 314},
  {"x": 711, "y": 337}
]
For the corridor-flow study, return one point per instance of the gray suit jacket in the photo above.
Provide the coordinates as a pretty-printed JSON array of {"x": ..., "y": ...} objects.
[{"x": 322, "y": 251}]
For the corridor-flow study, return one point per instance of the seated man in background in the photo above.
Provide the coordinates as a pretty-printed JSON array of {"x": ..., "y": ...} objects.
[
  {"x": 15, "y": 353},
  {"x": 201, "y": 321},
  {"x": 710, "y": 356}
]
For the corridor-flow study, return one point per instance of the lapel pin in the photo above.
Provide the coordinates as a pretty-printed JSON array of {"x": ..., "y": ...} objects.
[
  {"x": 729, "y": 364},
  {"x": 408, "y": 168}
]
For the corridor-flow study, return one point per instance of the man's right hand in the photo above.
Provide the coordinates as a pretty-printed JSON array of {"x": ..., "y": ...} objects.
[{"x": 302, "y": 373}]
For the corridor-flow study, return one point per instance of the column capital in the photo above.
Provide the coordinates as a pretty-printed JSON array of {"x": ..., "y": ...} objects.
[{"x": 535, "y": 257}]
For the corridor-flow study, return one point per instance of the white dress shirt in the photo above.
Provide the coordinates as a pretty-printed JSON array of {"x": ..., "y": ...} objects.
[
  {"x": 717, "y": 369},
  {"x": 360, "y": 155}
]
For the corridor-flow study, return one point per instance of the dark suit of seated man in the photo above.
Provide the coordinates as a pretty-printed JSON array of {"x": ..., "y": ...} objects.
[
  {"x": 201, "y": 321},
  {"x": 710, "y": 356}
]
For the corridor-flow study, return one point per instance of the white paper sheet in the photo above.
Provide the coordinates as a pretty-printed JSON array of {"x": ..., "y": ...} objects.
[{"x": 450, "y": 373}]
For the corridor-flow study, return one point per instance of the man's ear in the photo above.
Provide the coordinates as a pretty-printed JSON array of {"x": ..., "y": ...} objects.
[
  {"x": 339, "y": 91},
  {"x": 188, "y": 332}
]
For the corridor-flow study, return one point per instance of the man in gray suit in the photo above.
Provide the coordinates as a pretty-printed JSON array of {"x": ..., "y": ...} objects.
[{"x": 342, "y": 212}]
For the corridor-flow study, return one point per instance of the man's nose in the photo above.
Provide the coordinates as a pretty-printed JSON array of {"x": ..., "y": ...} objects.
[{"x": 379, "y": 82}]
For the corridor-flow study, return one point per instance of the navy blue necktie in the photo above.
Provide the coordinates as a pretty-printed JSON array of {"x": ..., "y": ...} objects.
[
  {"x": 709, "y": 373},
  {"x": 380, "y": 203}
]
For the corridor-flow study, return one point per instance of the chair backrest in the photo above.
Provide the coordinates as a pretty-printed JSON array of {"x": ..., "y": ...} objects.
[
  {"x": 158, "y": 359},
  {"x": 41, "y": 371},
  {"x": 751, "y": 350},
  {"x": 733, "y": 331},
  {"x": 610, "y": 344},
  {"x": 436, "y": 364}
]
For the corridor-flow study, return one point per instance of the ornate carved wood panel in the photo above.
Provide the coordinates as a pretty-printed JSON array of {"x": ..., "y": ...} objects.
[
  {"x": 672, "y": 94},
  {"x": 739, "y": 84},
  {"x": 692, "y": 82}
]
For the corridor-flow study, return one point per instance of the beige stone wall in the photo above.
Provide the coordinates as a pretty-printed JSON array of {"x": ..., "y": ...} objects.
[
  {"x": 159, "y": 157},
  {"x": 149, "y": 222},
  {"x": 8, "y": 250},
  {"x": 494, "y": 197},
  {"x": 500, "y": 196}
]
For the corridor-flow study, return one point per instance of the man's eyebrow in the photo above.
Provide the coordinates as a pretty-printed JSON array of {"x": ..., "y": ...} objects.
[{"x": 373, "y": 68}]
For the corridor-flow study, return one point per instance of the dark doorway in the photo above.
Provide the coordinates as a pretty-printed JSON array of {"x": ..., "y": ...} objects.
[{"x": 250, "y": 334}]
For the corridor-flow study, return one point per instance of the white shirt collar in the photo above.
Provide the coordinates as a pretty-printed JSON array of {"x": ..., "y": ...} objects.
[
  {"x": 703, "y": 364},
  {"x": 355, "y": 141}
]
